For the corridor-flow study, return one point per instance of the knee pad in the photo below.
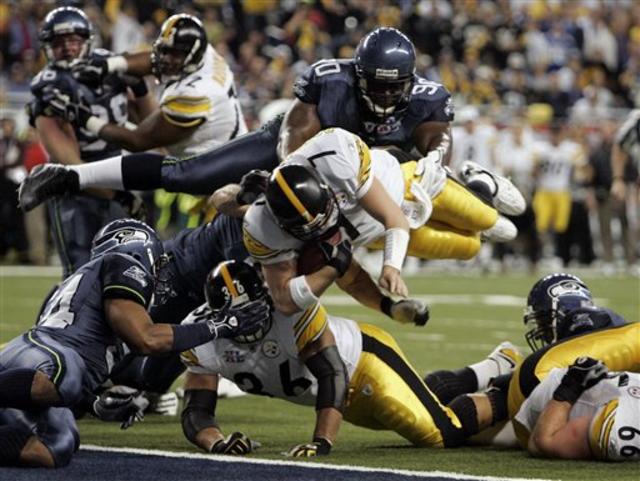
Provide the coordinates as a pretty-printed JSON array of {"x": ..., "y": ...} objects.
[
  {"x": 61, "y": 436},
  {"x": 464, "y": 407}
]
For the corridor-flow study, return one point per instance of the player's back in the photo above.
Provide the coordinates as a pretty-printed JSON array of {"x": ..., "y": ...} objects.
[
  {"x": 108, "y": 101},
  {"x": 556, "y": 164},
  {"x": 74, "y": 316},
  {"x": 205, "y": 99},
  {"x": 332, "y": 86}
]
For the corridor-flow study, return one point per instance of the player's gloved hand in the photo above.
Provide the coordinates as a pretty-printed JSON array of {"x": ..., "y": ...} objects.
[
  {"x": 252, "y": 184},
  {"x": 91, "y": 71},
  {"x": 164, "y": 404},
  {"x": 121, "y": 403},
  {"x": 132, "y": 203},
  {"x": 60, "y": 104},
  {"x": 338, "y": 255},
  {"x": 236, "y": 443},
  {"x": 319, "y": 447},
  {"x": 583, "y": 374},
  {"x": 409, "y": 311}
]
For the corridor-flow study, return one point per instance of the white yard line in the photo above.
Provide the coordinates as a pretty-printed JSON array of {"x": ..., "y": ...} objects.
[{"x": 275, "y": 462}]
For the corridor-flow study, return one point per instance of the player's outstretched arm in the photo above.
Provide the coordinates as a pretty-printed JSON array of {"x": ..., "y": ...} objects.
[
  {"x": 433, "y": 139},
  {"x": 323, "y": 360},
  {"x": 300, "y": 123},
  {"x": 556, "y": 436}
]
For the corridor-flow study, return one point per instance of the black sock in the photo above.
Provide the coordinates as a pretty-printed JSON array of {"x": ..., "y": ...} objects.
[
  {"x": 15, "y": 388},
  {"x": 447, "y": 385},
  {"x": 12, "y": 440},
  {"x": 498, "y": 399},
  {"x": 142, "y": 171},
  {"x": 464, "y": 407}
]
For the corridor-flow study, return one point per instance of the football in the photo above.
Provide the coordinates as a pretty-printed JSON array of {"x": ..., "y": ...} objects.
[{"x": 311, "y": 259}]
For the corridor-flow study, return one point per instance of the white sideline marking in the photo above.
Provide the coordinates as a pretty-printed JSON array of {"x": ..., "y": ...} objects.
[{"x": 274, "y": 462}]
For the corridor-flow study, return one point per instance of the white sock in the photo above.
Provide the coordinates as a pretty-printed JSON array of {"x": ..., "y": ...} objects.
[
  {"x": 105, "y": 173},
  {"x": 485, "y": 371}
]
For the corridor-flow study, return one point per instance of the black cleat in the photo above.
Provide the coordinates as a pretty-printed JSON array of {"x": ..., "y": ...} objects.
[{"x": 44, "y": 182}]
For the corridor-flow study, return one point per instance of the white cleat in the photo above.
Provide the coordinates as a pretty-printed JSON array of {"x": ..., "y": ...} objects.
[
  {"x": 228, "y": 389},
  {"x": 502, "y": 231},
  {"x": 507, "y": 356},
  {"x": 505, "y": 196}
]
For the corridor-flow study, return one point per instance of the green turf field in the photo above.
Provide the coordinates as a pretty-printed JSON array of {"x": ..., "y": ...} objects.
[{"x": 470, "y": 315}]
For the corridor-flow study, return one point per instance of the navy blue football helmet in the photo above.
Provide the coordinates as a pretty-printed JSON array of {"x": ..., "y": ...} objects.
[
  {"x": 385, "y": 66},
  {"x": 303, "y": 204},
  {"x": 236, "y": 289},
  {"x": 65, "y": 21},
  {"x": 549, "y": 304},
  {"x": 131, "y": 237}
]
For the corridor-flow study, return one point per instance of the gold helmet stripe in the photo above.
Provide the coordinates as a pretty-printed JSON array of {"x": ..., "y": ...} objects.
[
  {"x": 226, "y": 276},
  {"x": 292, "y": 196},
  {"x": 168, "y": 26}
]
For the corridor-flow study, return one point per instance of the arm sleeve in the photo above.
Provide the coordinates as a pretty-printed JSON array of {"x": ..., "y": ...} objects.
[
  {"x": 124, "y": 278},
  {"x": 306, "y": 88},
  {"x": 310, "y": 326},
  {"x": 185, "y": 110},
  {"x": 438, "y": 103}
]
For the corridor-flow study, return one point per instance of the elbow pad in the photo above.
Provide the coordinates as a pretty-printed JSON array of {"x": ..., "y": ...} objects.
[
  {"x": 329, "y": 369},
  {"x": 199, "y": 412}
]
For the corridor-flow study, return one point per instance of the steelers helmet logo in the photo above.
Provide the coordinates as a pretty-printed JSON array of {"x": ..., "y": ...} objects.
[{"x": 271, "y": 349}]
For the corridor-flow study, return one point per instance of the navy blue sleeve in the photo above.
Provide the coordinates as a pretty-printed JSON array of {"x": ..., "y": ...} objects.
[
  {"x": 433, "y": 99},
  {"x": 306, "y": 87},
  {"x": 123, "y": 277}
]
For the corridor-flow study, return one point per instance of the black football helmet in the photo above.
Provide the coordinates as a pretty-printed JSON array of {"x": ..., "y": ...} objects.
[
  {"x": 65, "y": 21},
  {"x": 385, "y": 65},
  {"x": 236, "y": 289},
  {"x": 549, "y": 304},
  {"x": 180, "y": 34},
  {"x": 131, "y": 237},
  {"x": 302, "y": 203}
]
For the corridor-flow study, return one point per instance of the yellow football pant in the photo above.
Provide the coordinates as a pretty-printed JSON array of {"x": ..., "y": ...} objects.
[
  {"x": 453, "y": 231},
  {"x": 385, "y": 392},
  {"x": 552, "y": 209}
]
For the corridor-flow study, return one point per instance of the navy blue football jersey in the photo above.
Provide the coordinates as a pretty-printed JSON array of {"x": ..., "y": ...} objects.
[
  {"x": 74, "y": 315},
  {"x": 585, "y": 319},
  {"x": 332, "y": 86},
  {"x": 108, "y": 102}
]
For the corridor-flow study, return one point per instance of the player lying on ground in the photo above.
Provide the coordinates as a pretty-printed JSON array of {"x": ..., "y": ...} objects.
[
  {"x": 78, "y": 338},
  {"x": 564, "y": 324},
  {"x": 582, "y": 412},
  {"x": 346, "y": 369}
]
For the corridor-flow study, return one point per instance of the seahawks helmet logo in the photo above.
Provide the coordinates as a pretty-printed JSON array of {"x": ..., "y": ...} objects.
[
  {"x": 127, "y": 235},
  {"x": 567, "y": 287}
]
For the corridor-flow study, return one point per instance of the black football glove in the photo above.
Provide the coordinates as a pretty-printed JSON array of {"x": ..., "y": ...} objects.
[
  {"x": 122, "y": 404},
  {"x": 252, "y": 184},
  {"x": 132, "y": 203},
  {"x": 236, "y": 443},
  {"x": 337, "y": 256},
  {"x": 409, "y": 311},
  {"x": 60, "y": 104},
  {"x": 583, "y": 374},
  {"x": 319, "y": 447},
  {"x": 92, "y": 71}
]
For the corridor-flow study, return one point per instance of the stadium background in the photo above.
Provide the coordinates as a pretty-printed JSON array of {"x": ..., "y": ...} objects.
[{"x": 507, "y": 64}]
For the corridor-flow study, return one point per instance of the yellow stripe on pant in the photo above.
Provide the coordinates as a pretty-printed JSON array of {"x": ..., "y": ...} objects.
[{"x": 385, "y": 392}]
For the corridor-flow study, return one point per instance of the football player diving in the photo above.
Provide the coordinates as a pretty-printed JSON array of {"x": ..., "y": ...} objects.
[
  {"x": 347, "y": 370},
  {"x": 335, "y": 190},
  {"x": 66, "y": 38},
  {"x": 79, "y": 336},
  {"x": 396, "y": 108},
  {"x": 564, "y": 324},
  {"x": 584, "y": 412}
]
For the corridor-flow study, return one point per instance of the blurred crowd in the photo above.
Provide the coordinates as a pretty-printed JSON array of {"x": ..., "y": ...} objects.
[{"x": 521, "y": 65}]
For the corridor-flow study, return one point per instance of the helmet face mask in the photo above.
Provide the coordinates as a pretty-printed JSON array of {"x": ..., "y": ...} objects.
[
  {"x": 235, "y": 289},
  {"x": 66, "y": 36},
  {"x": 549, "y": 304},
  {"x": 385, "y": 67},
  {"x": 179, "y": 49}
]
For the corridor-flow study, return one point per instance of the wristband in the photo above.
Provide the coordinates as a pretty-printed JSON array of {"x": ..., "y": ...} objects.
[
  {"x": 117, "y": 64},
  {"x": 396, "y": 241},
  {"x": 385, "y": 305},
  {"x": 324, "y": 445},
  {"x": 95, "y": 124},
  {"x": 301, "y": 293}
]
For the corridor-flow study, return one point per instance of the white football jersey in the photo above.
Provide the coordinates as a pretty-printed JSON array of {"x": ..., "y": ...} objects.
[
  {"x": 628, "y": 136},
  {"x": 613, "y": 405},
  {"x": 348, "y": 166},
  {"x": 207, "y": 99},
  {"x": 556, "y": 164},
  {"x": 271, "y": 365}
]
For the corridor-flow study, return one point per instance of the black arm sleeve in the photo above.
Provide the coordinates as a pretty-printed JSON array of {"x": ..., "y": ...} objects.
[
  {"x": 199, "y": 412},
  {"x": 327, "y": 366}
]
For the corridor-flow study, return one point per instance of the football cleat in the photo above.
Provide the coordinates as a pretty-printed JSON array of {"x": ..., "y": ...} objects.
[
  {"x": 502, "y": 231},
  {"x": 507, "y": 356},
  {"x": 45, "y": 182},
  {"x": 505, "y": 196}
]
